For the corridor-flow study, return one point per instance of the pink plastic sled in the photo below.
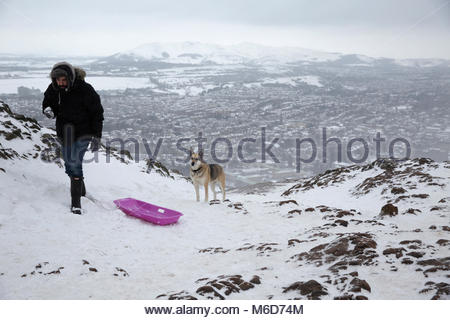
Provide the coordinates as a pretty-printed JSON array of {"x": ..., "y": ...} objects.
[{"x": 147, "y": 211}]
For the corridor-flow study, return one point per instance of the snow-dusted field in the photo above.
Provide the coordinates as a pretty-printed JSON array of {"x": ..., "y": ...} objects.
[
  {"x": 323, "y": 238},
  {"x": 293, "y": 81},
  {"x": 100, "y": 83}
]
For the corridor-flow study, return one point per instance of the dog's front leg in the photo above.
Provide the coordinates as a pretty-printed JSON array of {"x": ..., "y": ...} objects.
[
  {"x": 197, "y": 193},
  {"x": 206, "y": 191}
]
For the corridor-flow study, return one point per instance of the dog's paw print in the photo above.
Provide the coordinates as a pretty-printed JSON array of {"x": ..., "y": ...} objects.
[
  {"x": 121, "y": 272},
  {"x": 212, "y": 250},
  {"x": 40, "y": 268},
  {"x": 239, "y": 207}
]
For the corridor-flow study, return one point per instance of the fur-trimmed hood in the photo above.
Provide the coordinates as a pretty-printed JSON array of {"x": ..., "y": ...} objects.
[{"x": 80, "y": 73}]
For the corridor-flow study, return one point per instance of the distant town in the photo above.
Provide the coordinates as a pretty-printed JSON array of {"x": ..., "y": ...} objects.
[{"x": 406, "y": 107}]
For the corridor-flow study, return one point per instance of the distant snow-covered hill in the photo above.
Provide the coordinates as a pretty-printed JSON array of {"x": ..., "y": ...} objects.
[
  {"x": 378, "y": 231},
  {"x": 203, "y": 53},
  {"x": 196, "y": 53}
]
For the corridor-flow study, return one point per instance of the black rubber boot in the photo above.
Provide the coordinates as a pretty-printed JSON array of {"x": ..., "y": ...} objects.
[
  {"x": 75, "y": 193},
  {"x": 83, "y": 188}
]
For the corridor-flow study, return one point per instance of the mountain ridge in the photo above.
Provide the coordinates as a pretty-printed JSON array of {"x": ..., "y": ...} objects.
[{"x": 198, "y": 53}]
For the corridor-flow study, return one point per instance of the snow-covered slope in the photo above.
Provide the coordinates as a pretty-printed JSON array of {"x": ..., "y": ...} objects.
[{"x": 322, "y": 237}]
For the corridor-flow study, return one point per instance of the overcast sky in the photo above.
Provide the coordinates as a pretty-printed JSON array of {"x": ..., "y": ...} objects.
[{"x": 390, "y": 28}]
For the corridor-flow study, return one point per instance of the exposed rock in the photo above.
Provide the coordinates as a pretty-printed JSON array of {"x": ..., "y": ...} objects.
[
  {"x": 256, "y": 280},
  {"x": 435, "y": 262},
  {"x": 341, "y": 222},
  {"x": 413, "y": 211},
  {"x": 245, "y": 286},
  {"x": 267, "y": 248},
  {"x": 182, "y": 295},
  {"x": 293, "y": 242},
  {"x": 411, "y": 241},
  {"x": 323, "y": 208},
  {"x": 389, "y": 210},
  {"x": 281, "y": 203},
  {"x": 295, "y": 212},
  {"x": 420, "y": 196},
  {"x": 312, "y": 289},
  {"x": 416, "y": 254},
  {"x": 397, "y": 251},
  {"x": 338, "y": 249},
  {"x": 401, "y": 198},
  {"x": 398, "y": 190},
  {"x": 209, "y": 292},
  {"x": 351, "y": 297},
  {"x": 407, "y": 261},
  {"x": 218, "y": 288},
  {"x": 342, "y": 213},
  {"x": 443, "y": 242},
  {"x": 329, "y": 177},
  {"x": 358, "y": 284},
  {"x": 151, "y": 164},
  {"x": 441, "y": 290},
  {"x": 396, "y": 173},
  {"x": 8, "y": 153},
  {"x": 341, "y": 253}
]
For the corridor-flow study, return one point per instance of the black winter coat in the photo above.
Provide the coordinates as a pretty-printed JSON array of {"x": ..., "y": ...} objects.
[{"x": 79, "y": 108}]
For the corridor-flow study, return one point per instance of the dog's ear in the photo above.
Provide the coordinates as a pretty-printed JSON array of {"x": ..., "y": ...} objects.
[
  {"x": 201, "y": 154},
  {"x": 191, "y": 152}
]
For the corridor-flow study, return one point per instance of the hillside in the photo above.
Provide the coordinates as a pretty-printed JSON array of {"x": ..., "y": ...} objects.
[
  {"x": 175, "y": 54},
  {"x": 197, "y": 53},
  {"x": 323, "y": 237}
]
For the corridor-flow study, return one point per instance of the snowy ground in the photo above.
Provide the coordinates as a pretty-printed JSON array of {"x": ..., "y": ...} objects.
[{"x": 254, "y": 246}]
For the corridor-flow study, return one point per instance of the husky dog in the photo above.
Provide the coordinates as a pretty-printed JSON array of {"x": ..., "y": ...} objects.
[{"x": 203, "y": 174}]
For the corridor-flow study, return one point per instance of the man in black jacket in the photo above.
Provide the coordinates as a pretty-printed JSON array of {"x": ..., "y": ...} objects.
[{"x": 79, "y": 121}]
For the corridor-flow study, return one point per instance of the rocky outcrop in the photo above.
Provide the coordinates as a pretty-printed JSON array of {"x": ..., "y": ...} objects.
[
  {"x": 311, "y": 289},
  {"x": 389, "y": 210},
  {"x": 215, "y": 289}
]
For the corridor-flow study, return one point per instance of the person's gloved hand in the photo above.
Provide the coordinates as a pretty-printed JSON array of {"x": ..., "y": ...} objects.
[
  {"x": 95, "y": 144},
  {"x": 49, "y": 113}
]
